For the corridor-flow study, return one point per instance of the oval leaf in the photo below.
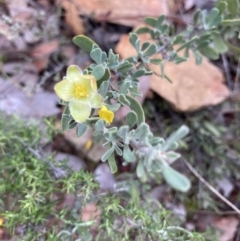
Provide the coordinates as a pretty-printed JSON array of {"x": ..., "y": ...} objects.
[
  {"x": 84, "y": 42},
  {"x": 175, "y": 179}
]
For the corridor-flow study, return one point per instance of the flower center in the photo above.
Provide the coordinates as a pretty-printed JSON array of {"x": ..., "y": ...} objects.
[{"x": 80, "y": 91}]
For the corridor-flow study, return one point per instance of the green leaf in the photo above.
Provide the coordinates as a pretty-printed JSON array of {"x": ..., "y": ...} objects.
[
  {"x": 151, "y": 21},
  {"x": 118, "y": 150},
  {"x": 106, "y": 76},
  {"x": 125, "y": 87},
  {"x": 131, "y": 118},
  {"x": 209, "y": 52},
  {"x": 65, "y": 121},
  {"x": 219, "y": 44},
  {"x": 175, "y": 136},
  {"x": 142, "y": 30},
  {"x": 108, "y": 153},
  {"x": 72, "y": 124},
  {"x": 136, "y": 106},
  {"x": 233, "y": 7},
  {"x": 138, "y": 73},
  {"x": 187, "y": 44},
  {"x": 198, "y": 57},
  {"x": 133, "y": 38},
  {"x": 62, "y": 102},
  {"x": 203, "y": 44},
  {"x": 178, "y": 39},
  {"x": 221, "y": 6},
  {"x": 156, "y": 61},
  {"x": 211, "y": 128},
  {"x": 196, "y": 16},
  {"x": 81, "y": 129},
  {"x": 123, "y": 100},
  {"x": 96, "y": 55},
  {"x": 140, "y": 171},
  {"x": 98, "y": 72},
  {"x": 84, "y": 42},
  {"x": 178, "y": 59},
  {"x": 99, "y": 126},
  {"x": 124, "y": 68},
  {"x": 112, "y": 163},
  {"x": 104, "y": 88},
  {"x": 113, "y": 107},
  {"x": 66, "y": 111},
  {"x": 142, "y": 131},
  {"x": 152, "y": 49},
  {"x": 145, "y": 46},
  {"x": 122, "y": 132},
  {"x": 175, "y": 179},
  {"x": 160, "y": 21},
  {"x": 128, "y": 155},
  {"x": 172, "y": 156}
]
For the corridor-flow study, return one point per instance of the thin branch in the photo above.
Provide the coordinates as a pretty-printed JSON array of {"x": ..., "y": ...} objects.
[
  {"x": 208, "y": 185},
  {"x": 226, "y": 69}
]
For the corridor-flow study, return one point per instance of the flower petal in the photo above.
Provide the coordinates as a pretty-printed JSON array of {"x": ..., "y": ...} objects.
[
  {"x": 80, "y": 110},
  {"x": 95, "y": 100},
  {"x": 106, "y": 114},
  {"x": 74, "y": 73},
  {"x": 64, "y": 90}
]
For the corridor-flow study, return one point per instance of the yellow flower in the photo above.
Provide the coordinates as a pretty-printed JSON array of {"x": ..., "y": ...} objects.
[
  {"x": 81, "y": 93},
  {"x": 106, "y": 114}
]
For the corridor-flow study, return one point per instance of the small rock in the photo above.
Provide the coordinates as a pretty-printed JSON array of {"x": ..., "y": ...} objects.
[{"x": 104, "y": 177}]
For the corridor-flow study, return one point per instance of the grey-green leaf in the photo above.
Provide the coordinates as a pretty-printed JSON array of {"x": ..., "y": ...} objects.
[
  {"x": 136, "y": 106},
  {"x": 84, "y": 42},
  {"x": 133, "y": 38},
  {"x": 123, "y": 100},
  {"x": 98, "y": 72},
  {"x": 96, "y": 55},
  {"x": 151, "y": 21},
  {"x": 175, "y": 179},
  {"x": 112, "y": 163},
  {"x": 142, "y": 30},
  {"x": 131, "y": 118},
  {"x": 65, "y": 121},
  {"x": 175, "y": 136},
  {"x": 103, "y": 88},
  {"x": 152, "y": 49},
  {"x": 81, "y": 129},
  {"x": 233, "y": 7},
  {"x": 139, "y": 73},
  {"x": 128, "y": 154},
  {"x": 108, "y": 153},
  {"x": 209, "y": 52},
  {"x": 125, "y": 87},
  {"x": 219, "y": 44}
]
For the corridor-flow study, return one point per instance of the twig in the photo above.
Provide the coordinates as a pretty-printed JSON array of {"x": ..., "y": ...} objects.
[
  {"x": 191, "y": 168},
  {"x": 226, "y": 69}
]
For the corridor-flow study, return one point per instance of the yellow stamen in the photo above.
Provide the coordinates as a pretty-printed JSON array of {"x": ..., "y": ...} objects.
[
  {"x": 80, "y": 91},
  {"x": 106, "y": 114}
]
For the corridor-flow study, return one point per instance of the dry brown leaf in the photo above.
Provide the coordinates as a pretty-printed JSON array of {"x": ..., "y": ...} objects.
[
  {"x": 128, "y": 13},
  {"x": 194, "y": 86},
  {"x": 41, "y": 53},
  {"x": 72, "y": 17}
]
